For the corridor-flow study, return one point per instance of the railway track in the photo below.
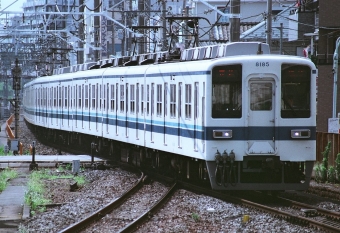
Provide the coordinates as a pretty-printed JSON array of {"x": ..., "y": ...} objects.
[
  {"x": 315, "y": 217},
  {"x": 121, "y": 206}
]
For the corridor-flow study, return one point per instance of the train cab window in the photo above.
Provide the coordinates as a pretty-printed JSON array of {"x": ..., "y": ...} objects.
[
  {"x": 295, "y": 91},
  {"x": 261, "y": 96},
  {"x": 227, "y": 91}
]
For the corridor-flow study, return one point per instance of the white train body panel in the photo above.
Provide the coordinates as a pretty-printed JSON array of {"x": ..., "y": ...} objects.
[{"x": 197, "y": 109}]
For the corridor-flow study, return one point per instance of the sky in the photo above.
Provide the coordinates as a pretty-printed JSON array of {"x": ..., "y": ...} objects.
[{"x": 17, "y": 6}]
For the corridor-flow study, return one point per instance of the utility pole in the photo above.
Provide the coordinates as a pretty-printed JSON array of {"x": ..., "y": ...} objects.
[
  {"x": 80, "y": 53},
  {"x": 16, "y": 74},
  {"x": 235, "y": 22},
  {"x": 269, "y": 23}
]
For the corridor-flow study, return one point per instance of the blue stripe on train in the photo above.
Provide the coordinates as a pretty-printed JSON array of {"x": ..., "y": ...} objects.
[{"x": 239, "y": 133}]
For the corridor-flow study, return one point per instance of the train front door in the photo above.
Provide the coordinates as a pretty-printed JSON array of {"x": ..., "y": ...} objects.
[{"x": 261, "y": 115}]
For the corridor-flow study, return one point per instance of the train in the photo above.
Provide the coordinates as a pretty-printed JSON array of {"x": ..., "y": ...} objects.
[{"x": 232, "y": 116}]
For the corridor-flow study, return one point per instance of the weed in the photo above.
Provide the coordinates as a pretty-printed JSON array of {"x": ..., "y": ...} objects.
[
  {"x": 337, "y": 166},
  {"x": 5, "y": 175},
  {"x": 36, "y": 194},
  {"x": 195, "y": 217},
  {"x": 331, "y": 174}
]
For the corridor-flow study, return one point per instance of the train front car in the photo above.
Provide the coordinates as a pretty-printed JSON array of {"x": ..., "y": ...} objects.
[{"x": 261, "y": 123}]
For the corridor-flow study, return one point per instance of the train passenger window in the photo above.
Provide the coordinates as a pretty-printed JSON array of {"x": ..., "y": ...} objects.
[
  {"x": 142, "y": 99},
  {"x": 86, "y": 96},
  {"x": 187, "y": 101},
  {"x": 295, "y": 91},
  {"x": 172, "y": 100},
  {"x": 159, "y": 100},
  {"x": 93, "y": 94},
  {"x": 59, "y": 97},
  {"x": 147, "y": 99},
  {"x": 79, "y": 96},
  {"x": 261, "y": 96},
  {"x": 107, "y": 96},
  {"x": 165, "y": 99},
  {"x": 121, "y": 98},
  {"x": 132, "y": 98},
  {"x": 152, "y": 98},
  {"x": 55, "y": 97},
  {"x": 137, "y": 100},
  {"x": 98, "y": 96},
  {"x": 65, "y": 96},
  {"x": 112, "y": 100},
  {"x": 82, "y": 95},
  {"x": 227, "y": 91},
  {"x": 127, "y": 96}
]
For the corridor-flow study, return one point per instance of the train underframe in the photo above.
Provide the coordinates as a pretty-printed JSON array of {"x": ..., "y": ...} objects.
[{"x": 253, "y": 173}]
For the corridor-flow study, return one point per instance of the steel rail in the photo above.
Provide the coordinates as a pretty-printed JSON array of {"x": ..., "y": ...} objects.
[{"x": 78, "y": 226}]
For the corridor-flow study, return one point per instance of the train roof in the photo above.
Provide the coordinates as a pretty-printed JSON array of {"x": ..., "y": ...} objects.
[{"x": 191, "y": 54}]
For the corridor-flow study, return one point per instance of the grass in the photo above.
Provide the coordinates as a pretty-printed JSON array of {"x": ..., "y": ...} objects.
[
  {"x": 5, "y": 175},
  {"x": 36, "y": 194}
]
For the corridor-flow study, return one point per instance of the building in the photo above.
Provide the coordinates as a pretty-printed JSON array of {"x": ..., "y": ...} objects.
[{"x": 329, "y": 32}]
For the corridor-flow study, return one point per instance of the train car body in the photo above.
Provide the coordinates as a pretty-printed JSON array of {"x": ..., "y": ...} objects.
[{"x": 241, "y": 120}]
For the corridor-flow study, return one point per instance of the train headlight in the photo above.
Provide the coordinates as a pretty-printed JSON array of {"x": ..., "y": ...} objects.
[
  {"x": 300, "y": 133},
  {"x": 228, "y": 133}
]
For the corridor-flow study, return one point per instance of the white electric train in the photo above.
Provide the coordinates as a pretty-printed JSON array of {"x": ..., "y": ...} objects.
[{"x": 233, "y": 114}]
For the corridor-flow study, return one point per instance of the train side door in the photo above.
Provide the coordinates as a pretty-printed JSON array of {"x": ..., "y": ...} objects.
[{"x": 261, "y": 115}]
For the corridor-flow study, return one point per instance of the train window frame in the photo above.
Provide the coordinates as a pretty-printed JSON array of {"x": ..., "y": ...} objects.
[
  {"x": 142, "y": 98},
  {"x": 59, "y": 96},
  {"x": 152, "y": 99},
  {"x": 65, "y": 94},
  {"x": 137, "y": 98},
  {"x": 295, "y": 91},
  {"x": 79, "y": 97},
  {"x": 147, "y": 99},
  {"x": 97, "y": 97},
  {"x": 226, "y": 79},
  {"x": 93, "y": 97},
  {"x": 188, "y": 101},
  {"x": 112, "y": 97},
  {"x": 165, "y": 99},
  {"x": 122, "y": 98},
  {"x": 159, "y": 100},
  {"x": 86, "y": 96},
  {"x": 127, "y": 97},
  {"x": 132, "y": 99},
  {"x": 172, "y": 100},
  {"x": 260, "y": 99}
]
